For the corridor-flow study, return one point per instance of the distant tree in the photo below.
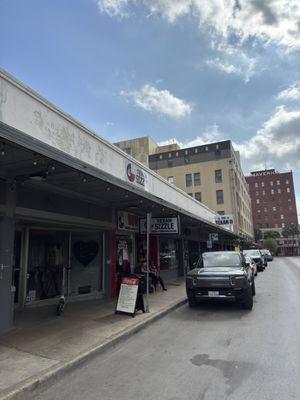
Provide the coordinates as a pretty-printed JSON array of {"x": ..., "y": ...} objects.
[
  {"x": 270, "y": 244},
  {"x": 271, "y": 234},
  {"x": 290, "y": 230},
  {"x": 257, "y": 234}
]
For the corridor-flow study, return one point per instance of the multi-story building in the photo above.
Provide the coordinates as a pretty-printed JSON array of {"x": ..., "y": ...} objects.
[
  {"x": 211, "y": 173},
  {"x": 273, "y": 199},
  {"x": 139, "y": 148}
]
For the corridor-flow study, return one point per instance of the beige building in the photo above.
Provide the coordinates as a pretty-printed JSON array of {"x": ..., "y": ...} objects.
[
  {"x": 139, "y": 148},
  {"x": 211, "y": 173}
]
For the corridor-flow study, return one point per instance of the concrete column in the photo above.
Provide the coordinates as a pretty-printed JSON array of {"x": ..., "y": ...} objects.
[{"x": 7, "y": 235}]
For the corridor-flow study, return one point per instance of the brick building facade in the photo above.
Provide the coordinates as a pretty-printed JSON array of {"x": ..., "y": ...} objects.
[{"x": 273, "y": 199}]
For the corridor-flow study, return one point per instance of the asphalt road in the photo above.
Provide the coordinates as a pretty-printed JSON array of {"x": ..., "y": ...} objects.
[{"x": 212, "y": 352}]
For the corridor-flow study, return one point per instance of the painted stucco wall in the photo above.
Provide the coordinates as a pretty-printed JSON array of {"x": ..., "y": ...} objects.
[{"x": 26, "y": 111}]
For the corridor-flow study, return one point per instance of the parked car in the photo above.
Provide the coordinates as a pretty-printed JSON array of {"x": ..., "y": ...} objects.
[
  {"x": 257, "y": 258},
  {"x": 221, "y": 275},
  {"x": 267, "y": 254},
  {"x": 252, "y": 264},
  {"x": 262, "y": 252}
]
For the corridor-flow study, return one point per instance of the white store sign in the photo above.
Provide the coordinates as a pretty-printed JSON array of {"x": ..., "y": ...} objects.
[
  {"x": 136, "y": 175},
  {"x": 160, "y": 225},
  {"x": 226, "y": 221}
]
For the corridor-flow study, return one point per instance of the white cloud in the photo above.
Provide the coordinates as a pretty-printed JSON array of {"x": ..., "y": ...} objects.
[
  {"x": 276, "y": 143},
  {"x": 291, "y": 93},
  {"x": 114, "y": 8},
  {"x": 212, "y": 134},
  {"x": 268, "y": 20},
  {"x": 159, "y": 101}
]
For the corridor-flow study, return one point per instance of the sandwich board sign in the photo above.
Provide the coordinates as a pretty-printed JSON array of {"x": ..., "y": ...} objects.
[{"x": 129, "y": 299}]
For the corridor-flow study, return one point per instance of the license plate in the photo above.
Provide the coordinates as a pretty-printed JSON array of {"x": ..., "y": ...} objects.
[{"x": 213, "y": 293}]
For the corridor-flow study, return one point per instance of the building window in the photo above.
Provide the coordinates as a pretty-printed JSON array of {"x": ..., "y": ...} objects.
[
  {"x": 256, "y": 184},
  {"x": 289, "y": 200},
  {"x": 258, "y": 211},
  {"x": 274, "y": 208},
  {"x": 170, "y": 164},
  {"x": 271, "y": 183},
  {"x": 170, "y": 155},
  {"x": 221, "y": 212},
  {"x": 265, "y": 209},
  {"x": 257, "y": 201},
  {"x": 272, "y": 191},
  {"x": 188, "y": 180},
  {"x": 171, "y": 179},
  {"x": 287, "y": 182},
  {"x": 217, "y": 146},
  {"x": 278, "y": 182},
  {"x": 190, "y": 194},
  {"x": 279, "y": 190},
  {"x": 160, "y": 156},
  {"x": 198, "y": 196},
  {"x": 220, "y": 197},
  {"x": 206, "y": 148},
  {"x": 263, "y": 192},
  {"x": 127, "y": 150},
  {"x": 257, "y": 193},
  {"x": 263, "y": 184},
  {"x": 196, "y": 150},
  {"x": 186, "y": 152},
  {"x": 197, "y": 179},
  {"x": 288, "y": 190},
  {"x": 281, "y": 216},
  {"x": 283, "y": 225},
  {"x": 276, "y": 225},
  {"x": 218, "y": 176},
  {"x": 176, "y": 153}
]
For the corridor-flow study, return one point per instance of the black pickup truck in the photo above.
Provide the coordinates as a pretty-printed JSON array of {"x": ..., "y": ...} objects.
[{"x": 221, "y": 275}]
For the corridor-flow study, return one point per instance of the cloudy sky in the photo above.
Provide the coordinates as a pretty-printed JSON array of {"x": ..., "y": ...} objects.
[{"x": 193, "y": 71}]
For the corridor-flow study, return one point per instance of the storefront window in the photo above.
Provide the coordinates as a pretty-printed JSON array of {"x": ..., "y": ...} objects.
[
  {"x": 48, "y": 253},
  {"x": 124, "y": 259},
  {"x": 52, "y": 252},
  {"x": 168, "y": 252},
  {"x": 86, "y": 263}
]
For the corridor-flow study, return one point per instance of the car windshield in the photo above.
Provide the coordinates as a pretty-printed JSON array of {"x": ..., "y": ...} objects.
[
  {"x": 252, "y": 253},
  {"x": 221, "y": 260}
]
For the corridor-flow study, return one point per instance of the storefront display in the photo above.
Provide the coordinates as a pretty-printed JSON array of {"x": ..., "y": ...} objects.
[
  {"x": 168, "y": 252},
  {"x": 50, "y": 252}
]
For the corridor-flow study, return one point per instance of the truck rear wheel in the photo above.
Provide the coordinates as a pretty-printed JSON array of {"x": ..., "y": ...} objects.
[{"x": 247, "y": 303}]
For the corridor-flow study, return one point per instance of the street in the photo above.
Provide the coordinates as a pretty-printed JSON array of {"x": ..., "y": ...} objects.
[{"x": 215, "y": 351}]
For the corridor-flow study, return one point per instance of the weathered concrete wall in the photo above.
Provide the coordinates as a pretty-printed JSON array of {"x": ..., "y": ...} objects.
[{"x": 27, "y": 112}]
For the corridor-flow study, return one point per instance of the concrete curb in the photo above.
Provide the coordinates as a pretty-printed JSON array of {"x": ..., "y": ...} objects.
[{"x": 52, "y": 373}]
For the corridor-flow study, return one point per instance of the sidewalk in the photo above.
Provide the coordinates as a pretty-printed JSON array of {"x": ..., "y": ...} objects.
[{"x": 41, "y": 344}]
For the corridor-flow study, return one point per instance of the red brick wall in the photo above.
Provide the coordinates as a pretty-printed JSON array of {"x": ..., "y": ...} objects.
[{"x": 284, "y": 202}]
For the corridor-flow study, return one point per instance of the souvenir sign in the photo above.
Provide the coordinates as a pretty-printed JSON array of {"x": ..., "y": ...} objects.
[
  {"x": 160, "y": 225},
  {"x": 226, "y": 221}
]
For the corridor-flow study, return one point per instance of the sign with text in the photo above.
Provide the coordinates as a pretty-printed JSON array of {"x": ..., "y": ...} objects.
[
  {"x": 128, "y": 221},
  {"x": 264, "y": 172},
  {"x": 226, "y": 221},
  {"x": 136, "y": 175},
  {"x": 128, "y": 295},
  {"x": 160, "y": 225},
  {"x": 214, "y": 237}
]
